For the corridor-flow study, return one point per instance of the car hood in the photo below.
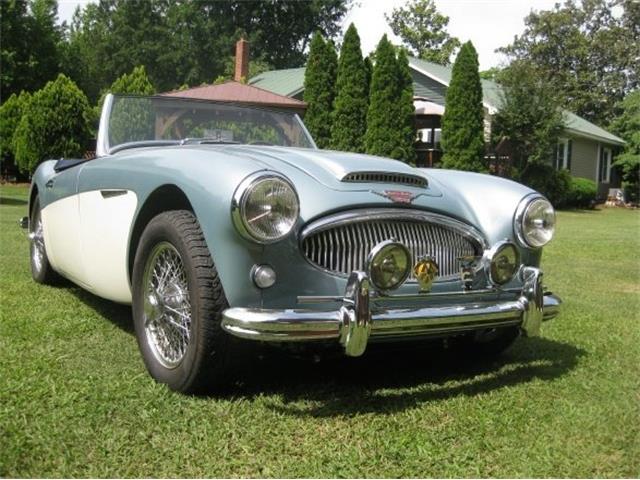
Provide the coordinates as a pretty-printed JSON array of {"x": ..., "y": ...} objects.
[{"x": 326, "y": 166}]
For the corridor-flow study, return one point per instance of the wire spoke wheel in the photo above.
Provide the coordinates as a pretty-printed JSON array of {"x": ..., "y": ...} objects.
[
  {"x": 167, "y": 305},
  {"x": 37, "y": 243}
]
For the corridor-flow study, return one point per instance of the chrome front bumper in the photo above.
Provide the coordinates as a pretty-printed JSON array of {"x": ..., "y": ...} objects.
[{"x": 356, "y": 321}]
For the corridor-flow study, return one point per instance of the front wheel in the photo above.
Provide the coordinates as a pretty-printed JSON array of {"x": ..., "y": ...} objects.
[{"x": 177, "y": 305}]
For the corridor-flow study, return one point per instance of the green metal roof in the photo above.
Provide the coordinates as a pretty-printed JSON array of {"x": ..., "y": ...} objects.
[
  {"x": 430, "y": 81},
  {"x": 289, "y": 82},
  {"x": 583, "y": 128}
]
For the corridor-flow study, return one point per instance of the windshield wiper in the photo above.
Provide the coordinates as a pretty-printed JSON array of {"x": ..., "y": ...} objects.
[
  {"x": 207, "y": 140},
  {"x": 143, "y": 144}
]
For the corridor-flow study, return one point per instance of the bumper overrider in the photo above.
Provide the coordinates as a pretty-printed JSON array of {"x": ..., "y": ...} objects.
[{"x": 363, "y": 315}]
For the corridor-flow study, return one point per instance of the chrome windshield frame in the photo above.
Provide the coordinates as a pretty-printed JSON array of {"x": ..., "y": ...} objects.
[{"x": 103, "y": 148}]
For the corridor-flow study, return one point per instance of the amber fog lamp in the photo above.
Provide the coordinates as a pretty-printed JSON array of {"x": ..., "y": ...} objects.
[
  {"x": 388, "y": 265},
  {"x": 504, "y": 263}
]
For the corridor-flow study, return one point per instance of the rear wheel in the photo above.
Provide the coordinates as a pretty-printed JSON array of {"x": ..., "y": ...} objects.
[
  {"x": 177, "y": 305},
  {"x": 41, "y": 269}
]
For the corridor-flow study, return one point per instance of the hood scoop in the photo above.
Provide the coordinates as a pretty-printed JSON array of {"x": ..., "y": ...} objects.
[{"x": 386, "y": 177}]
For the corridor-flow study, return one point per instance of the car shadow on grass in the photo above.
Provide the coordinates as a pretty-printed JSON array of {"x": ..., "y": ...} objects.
[
  {"x": 387, "y": 381},
  {"x": 118, "y": 314}
]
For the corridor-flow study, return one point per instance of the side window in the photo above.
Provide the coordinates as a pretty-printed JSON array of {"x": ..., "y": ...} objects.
[
  {"x": 604, "y": 166},
  {"x": 563, "y": 154}
]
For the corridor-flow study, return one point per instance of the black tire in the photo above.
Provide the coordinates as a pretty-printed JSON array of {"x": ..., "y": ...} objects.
[
  {"x": 490, "y": 343},
  {"x": 204, "y": 360},
  {"x": 41, "y": 269}
]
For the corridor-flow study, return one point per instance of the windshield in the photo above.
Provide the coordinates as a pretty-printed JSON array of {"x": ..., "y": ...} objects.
[{"x": 129, "y": 122}]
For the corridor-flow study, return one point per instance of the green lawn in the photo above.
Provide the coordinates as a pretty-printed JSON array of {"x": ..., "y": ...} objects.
[{"x": 76, "y": 401}]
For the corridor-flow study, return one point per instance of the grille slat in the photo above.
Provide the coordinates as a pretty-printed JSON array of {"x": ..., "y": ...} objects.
[{"x": 343, "y": 248}]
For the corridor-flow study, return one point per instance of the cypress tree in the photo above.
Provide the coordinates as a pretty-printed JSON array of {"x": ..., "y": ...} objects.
[
  {"x": 390, "y": 119},
  {"x": 462, "y": 123},
  {"x": 350, "y": 107},
  {"x": 319, "y": 89},
  {"x": 406, "y": 111},
  {"x": 381, "y": 138}
]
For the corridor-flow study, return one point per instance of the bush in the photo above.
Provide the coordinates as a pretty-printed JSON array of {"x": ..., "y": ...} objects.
[
  {"x": 553, "y": 184},
  {"x": 582, "y": 193},
  {"x": 54, "y": 124}
]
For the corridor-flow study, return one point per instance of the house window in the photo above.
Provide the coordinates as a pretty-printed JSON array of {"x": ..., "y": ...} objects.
[
  {"x": 604, "y": 165},
  {"x": 563, "y": 154}
]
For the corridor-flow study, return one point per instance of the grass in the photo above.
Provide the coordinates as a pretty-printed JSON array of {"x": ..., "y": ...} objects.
[{"x": 76, "y": 401}]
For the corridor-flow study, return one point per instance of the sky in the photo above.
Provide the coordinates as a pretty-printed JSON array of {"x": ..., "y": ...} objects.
[{"x": 489, "y": 24}]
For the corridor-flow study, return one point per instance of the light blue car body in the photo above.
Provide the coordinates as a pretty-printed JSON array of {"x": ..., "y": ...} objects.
[{"x": 208, "y": 175}]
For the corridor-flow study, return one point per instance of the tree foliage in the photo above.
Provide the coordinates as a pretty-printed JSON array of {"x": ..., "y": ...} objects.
[
  {"x": 463, "y": 119},
  {"x": 423, "y": 31},
  {"x": 29, "y": 48},
  {"x": 319, "y": 89},
  {"x": 350, "y": 107},
  {"x": 191, "y": 41},
  {"x": 529, "y": 118},
  {"x": 10, "y": 115},
  {"x": 627, "y": 126},
  {"x": 586, "y": 51},
  {"x": 55, "y": 123},
  {"x": 390, "y": 119}
]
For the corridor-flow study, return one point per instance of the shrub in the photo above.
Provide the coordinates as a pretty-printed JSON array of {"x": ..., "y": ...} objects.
[
  {"x": 553, "y": 184},
  {"x": 582, "y": 193},
  {"x": 55, "y": 123}
]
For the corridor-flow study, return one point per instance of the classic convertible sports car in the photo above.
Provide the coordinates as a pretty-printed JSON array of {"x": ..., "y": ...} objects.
[{"x": 217, "y": 221}]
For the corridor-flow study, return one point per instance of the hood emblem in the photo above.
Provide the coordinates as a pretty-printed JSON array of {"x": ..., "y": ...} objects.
[{"x": 397, "y": 196}]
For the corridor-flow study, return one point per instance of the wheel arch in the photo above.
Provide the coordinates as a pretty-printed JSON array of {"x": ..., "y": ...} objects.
[{"x": 162, "y": 199}]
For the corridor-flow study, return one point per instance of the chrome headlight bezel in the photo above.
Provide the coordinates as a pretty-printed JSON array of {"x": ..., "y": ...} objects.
[
  {"x": 238, "y": 204},
  {"x": 521, "y": 216}
]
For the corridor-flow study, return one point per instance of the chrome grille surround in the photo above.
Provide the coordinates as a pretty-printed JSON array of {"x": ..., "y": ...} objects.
[
  {"x": 386, "y": 177},
  {"x": 340, "y": 243}
]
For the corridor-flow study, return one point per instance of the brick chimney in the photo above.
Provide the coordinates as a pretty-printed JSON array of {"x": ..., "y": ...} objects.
[{"x": 242, "y": 60}]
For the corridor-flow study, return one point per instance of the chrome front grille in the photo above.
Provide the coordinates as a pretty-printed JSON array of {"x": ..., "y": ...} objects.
[
  {"x": 341, "y": 244},
  {"x": 386, "y": 177}
]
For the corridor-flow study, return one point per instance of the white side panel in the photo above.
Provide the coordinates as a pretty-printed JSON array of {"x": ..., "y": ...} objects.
[
  {"x": 61, "y": 224},
  {"x": 106, "y": 220}
]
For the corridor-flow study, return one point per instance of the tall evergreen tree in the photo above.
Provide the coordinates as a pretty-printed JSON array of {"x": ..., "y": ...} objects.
[
  {"x": 390, "y": 117},
  {"x": 380, "y": 138},
  {"x": 350, "y": 107},
  {"x": 319, "y": 89},
  {"x": 462, "y": 123},
  {"x": 406, "y": 110}
]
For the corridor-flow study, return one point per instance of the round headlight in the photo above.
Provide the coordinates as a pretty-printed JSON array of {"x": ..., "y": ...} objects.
[
  {"x": 535, "y": 222},
  {"x": 503, "y": 263},
  {"x": 388, "y": 265},
  {"x": 265, "y": 208}
]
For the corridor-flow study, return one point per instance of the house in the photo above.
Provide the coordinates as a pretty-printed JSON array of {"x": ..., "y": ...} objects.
[
  {"x": 585, "y": 149},
  {"x": 237, "y": 92}
]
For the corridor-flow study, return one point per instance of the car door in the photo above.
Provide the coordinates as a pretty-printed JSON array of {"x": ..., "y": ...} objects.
[{"x": 106, "y": 218}]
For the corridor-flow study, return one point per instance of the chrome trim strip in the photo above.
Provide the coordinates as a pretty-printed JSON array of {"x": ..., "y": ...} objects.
[{"x": 102, "y": 142}]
